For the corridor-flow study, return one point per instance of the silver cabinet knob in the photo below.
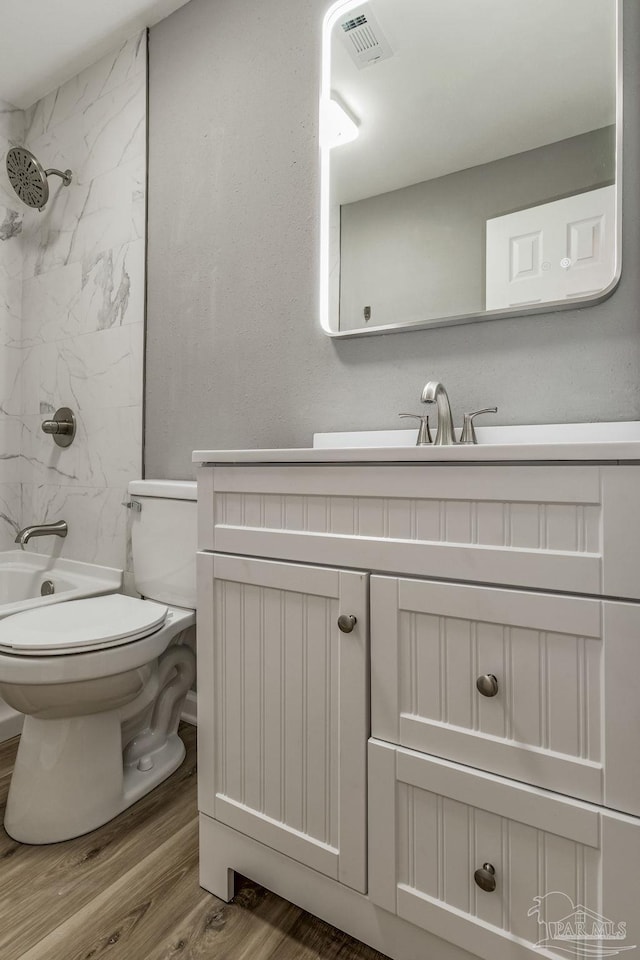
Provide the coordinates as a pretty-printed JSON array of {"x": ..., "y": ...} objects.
[
  {"x": 485, "y": 877},
  {"x": 487, "y": 685},
  {"x": 346, "y": 622}
]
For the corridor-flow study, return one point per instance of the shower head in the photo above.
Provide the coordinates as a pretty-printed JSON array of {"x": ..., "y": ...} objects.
[{"x": 29, "y": 178}]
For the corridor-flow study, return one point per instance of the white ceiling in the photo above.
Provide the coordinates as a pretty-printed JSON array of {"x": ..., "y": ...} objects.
[
  {"x": 471, "y": 81},
  {"x": 43, "y": 43}
]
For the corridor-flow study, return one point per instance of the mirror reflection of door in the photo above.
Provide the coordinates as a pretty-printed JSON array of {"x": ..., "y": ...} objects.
[
  {"x": 450, "y": 115},
  {"x": 556, "y": 251}
]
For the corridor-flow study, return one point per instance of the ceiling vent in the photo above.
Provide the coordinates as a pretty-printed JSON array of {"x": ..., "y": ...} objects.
[{"x": 364, "y": 39}]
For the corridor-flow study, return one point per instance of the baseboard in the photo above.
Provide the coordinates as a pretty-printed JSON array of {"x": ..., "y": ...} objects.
[
  {"x": 10, "y": 722},
  {"x": 190, "y": 709}
]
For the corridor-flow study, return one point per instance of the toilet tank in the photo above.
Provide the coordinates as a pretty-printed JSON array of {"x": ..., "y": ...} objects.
[{"x": 164, "y": 540}]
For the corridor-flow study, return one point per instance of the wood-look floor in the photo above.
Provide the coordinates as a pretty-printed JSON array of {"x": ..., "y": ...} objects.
[{"x": 129, "y": 891}]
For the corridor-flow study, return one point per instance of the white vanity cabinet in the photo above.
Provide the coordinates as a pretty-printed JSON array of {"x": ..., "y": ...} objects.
[{"x": 490, "y": 677}]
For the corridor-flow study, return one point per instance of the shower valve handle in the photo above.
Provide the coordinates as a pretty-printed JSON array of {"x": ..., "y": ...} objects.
[
  {"x": 62, "y": 428},
  {"x": 58, "y": 426}
]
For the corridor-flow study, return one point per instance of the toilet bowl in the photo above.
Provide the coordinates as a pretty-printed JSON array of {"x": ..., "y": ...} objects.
[{"x": 102, "y": 681}]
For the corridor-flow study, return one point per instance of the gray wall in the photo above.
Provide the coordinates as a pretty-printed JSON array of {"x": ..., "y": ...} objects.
[
  {"x": 419, "y": 252},
  {"x": 235, "y": 354}
]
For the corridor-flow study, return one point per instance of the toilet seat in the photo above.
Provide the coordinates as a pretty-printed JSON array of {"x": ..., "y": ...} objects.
[{"x": 79, "y": 626}]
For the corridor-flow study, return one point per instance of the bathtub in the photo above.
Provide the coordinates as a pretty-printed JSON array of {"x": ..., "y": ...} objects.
[{"x": 22, "y": 575}]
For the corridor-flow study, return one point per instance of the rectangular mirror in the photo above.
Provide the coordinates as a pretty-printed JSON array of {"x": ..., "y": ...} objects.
[{"x": 471, "y": 156}]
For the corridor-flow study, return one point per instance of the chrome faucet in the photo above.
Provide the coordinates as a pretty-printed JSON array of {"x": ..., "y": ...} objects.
[
  {"x": 58, "y": 529},
  {"x": 434, "y": 392}
]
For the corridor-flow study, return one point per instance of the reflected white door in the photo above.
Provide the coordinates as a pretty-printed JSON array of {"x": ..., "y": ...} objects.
[{"x": 565, "y": 249}]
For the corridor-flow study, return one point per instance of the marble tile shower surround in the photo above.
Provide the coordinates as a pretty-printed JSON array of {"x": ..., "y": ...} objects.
[
  {"x": 12, "y": 128},
  {"x": 74, "y": 336}
]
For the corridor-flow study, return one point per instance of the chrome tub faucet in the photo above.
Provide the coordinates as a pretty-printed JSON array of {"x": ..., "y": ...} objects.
[{"x": 58, "y": 529}]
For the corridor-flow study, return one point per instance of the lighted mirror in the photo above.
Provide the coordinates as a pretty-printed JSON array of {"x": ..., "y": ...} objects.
[{"x": 471, "y": 155}]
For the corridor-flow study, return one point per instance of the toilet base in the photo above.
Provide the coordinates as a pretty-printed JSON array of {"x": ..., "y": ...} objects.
[
  {"x": 138, "y": 780},
  {"x": 63, "y": 787}
]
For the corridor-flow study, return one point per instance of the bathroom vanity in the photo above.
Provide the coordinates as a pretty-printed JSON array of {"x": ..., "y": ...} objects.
[{"x": 418, "y": 690}]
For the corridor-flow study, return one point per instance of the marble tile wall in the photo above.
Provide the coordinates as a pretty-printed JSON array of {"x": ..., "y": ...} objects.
[
  {"x": 81, "y": 330},
  {"x": 11, "y": 225}
]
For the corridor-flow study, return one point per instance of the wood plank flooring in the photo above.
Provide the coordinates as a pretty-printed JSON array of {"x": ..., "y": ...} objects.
[{"x": 129, "y": 891}]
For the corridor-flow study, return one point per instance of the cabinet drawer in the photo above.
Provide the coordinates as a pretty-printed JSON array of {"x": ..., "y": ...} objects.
[
  {"x": 559, "y": 707},
  {"x": 433, "y": 824},
  {"x": 570, "y": 528}
]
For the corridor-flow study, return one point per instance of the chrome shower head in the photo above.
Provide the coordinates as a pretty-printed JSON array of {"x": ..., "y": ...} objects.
[{"x": 29, "y": 178}]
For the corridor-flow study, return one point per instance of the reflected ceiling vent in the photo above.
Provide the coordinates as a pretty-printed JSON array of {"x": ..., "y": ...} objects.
[{"x": 364, "y": 39}]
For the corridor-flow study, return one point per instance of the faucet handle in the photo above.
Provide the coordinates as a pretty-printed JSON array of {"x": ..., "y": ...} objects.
[
  {"x": 468, "y": 430},
  {"x": 424, "y": 433}
]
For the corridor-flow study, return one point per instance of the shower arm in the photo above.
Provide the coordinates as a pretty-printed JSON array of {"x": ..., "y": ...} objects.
[{"x": 65, "y": 175}]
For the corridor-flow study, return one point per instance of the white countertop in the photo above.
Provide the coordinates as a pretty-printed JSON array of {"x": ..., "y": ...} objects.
[
  {"x": 489, "y": 453},
  {"x": 595, "y": 442}
]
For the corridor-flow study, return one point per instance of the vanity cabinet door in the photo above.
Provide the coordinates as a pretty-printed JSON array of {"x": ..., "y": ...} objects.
[
  {"x": 498, "y": 867},
  {"x": 283, "y": 708},
  {"x": 537, "y": 687}
]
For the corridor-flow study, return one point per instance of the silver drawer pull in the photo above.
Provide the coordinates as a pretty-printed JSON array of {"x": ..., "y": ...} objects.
[
  {"x": 346, "y": 622},
  {"x": 487, "y": 685},
  {"x": 485, "y": 877}
]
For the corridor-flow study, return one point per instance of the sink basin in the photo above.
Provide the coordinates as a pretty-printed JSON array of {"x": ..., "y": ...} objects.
[{"x": 621, "y": 432}]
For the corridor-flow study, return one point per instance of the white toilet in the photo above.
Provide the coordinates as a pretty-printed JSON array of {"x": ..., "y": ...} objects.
[{"x": 101, "y": 687}]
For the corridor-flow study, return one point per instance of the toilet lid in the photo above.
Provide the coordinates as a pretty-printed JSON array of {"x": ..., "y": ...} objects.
[{"x": 80, "y": 625}]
